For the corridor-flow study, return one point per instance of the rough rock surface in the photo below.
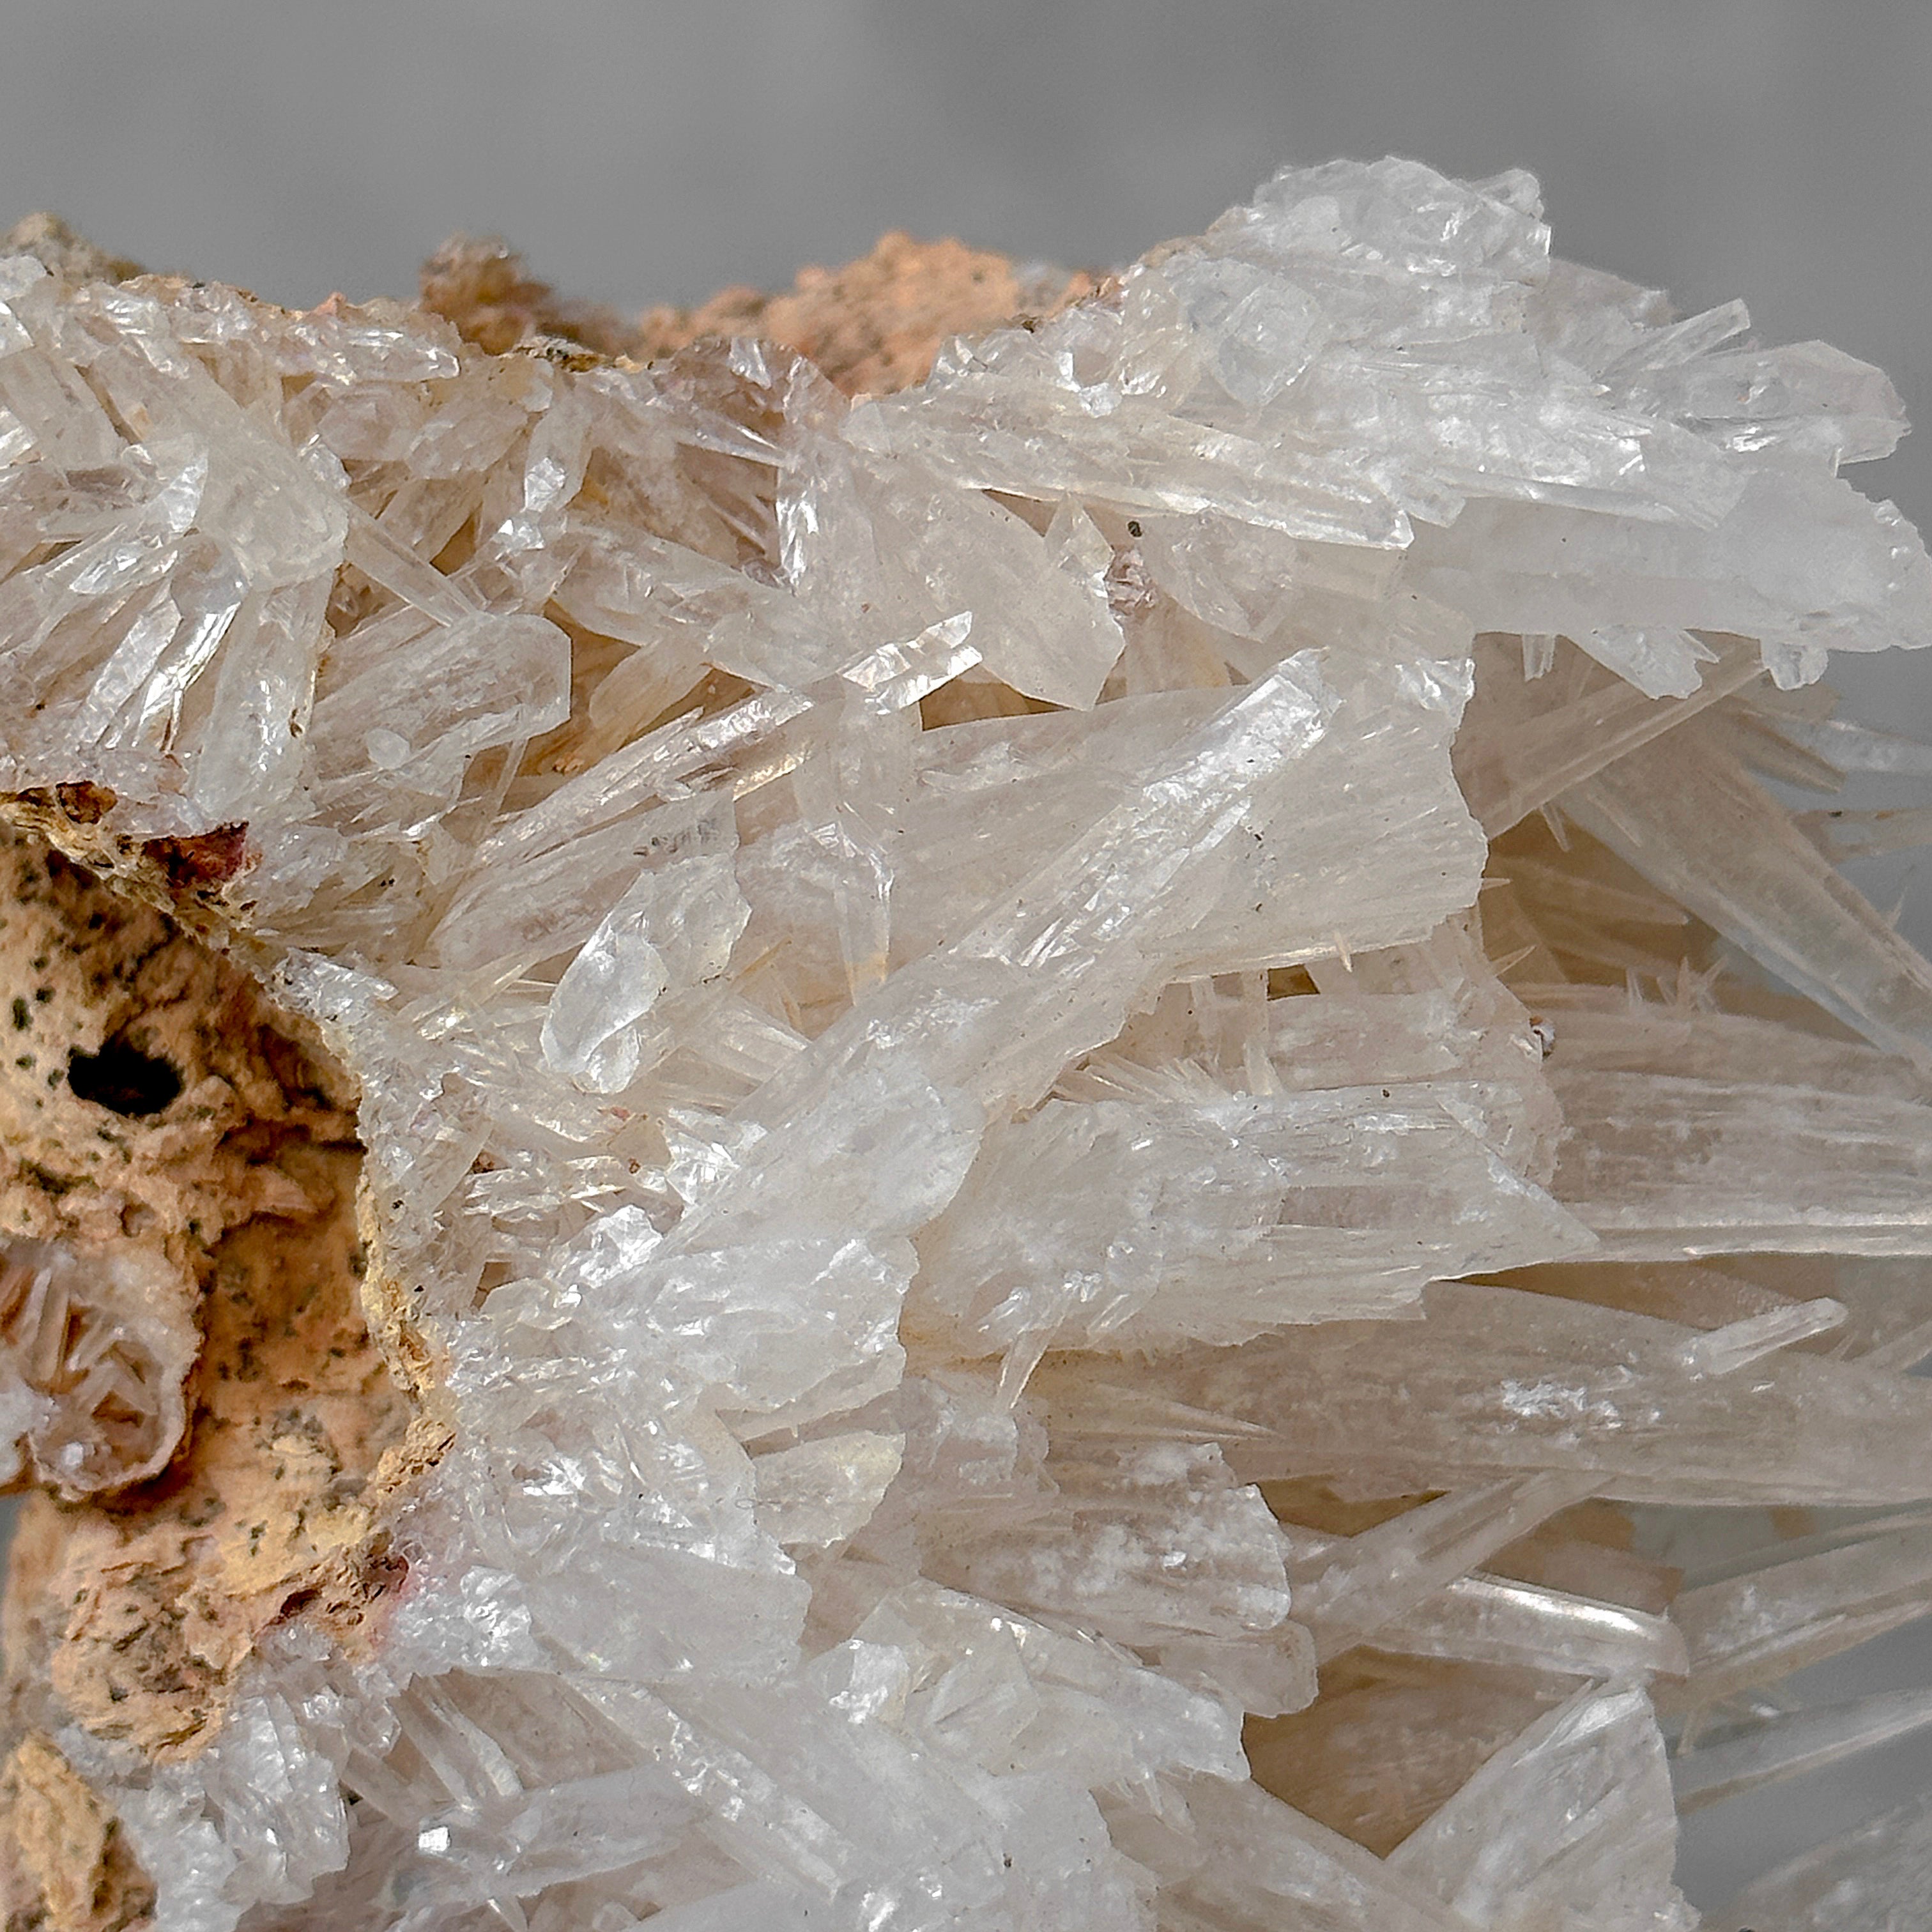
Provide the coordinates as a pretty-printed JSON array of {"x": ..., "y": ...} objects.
[
  {"x": 66, "y": 1864},
  {"x": 874, "y": 325}
]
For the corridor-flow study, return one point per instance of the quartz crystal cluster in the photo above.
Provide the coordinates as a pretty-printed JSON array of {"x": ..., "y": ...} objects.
[{"x": 1094, "y": 1140}]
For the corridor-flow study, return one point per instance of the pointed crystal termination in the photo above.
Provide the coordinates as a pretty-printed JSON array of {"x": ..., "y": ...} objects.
[{"x": 981, "y": 1101}]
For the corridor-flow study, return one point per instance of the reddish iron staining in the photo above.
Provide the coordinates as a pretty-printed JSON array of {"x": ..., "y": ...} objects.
[
  {"x": 85, "y": 803},
  {"x": 203, "y": 860}
]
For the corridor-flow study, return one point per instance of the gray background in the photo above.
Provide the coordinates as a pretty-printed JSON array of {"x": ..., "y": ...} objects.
[{"x": 1777, "y": 149}]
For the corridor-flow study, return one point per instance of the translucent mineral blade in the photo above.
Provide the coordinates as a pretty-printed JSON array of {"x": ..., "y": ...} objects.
[{"x": 1878, "y": 1869}]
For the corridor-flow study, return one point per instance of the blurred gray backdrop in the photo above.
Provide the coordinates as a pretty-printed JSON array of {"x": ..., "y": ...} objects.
[{"x": 651, "y": 150}]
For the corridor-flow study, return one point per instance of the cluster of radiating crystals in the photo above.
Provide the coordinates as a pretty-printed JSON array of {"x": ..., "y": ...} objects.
[
  {"x": 1150, "y": 1188},
  {"x": 91, "y": 1393}
]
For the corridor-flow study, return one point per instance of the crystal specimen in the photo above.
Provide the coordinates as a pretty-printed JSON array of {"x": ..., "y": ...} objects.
[{"x": 979, "y": 1100}]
